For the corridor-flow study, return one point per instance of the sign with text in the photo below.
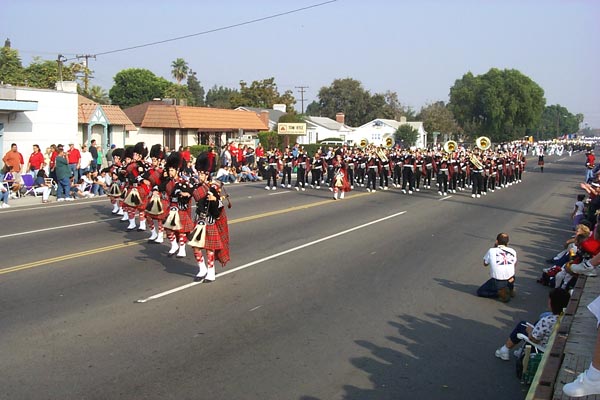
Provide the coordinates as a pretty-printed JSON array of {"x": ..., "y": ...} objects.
[{"x": 291, "y": 128}]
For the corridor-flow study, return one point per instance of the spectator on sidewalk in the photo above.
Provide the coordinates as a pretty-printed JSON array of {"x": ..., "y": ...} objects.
[
  {"x": 14, "y": 159},
  {"x": 74, "y": 158},
  {"x": 35, "y": 162},
  {"x": 12, "y": 180},
  {"x": 85, "y": 162},
  {"x": 4, "y": 192},
  {"x": 41, "y": 187},
  {"x": 63, "y": 175},
  {"x": 94, "y": 166},
  {"x": 109, "y": 157},
  {"x": 539, "y": 332},
  {"x": 588, "y": 382}
]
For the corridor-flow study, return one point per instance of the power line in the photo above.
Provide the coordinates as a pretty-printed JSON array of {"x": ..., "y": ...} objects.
[{"x": 214, "y": 30}]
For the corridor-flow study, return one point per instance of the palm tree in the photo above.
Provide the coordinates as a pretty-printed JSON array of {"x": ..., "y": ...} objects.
[
  {"x": 180, "y": 69},
  {"x": 98, "y": 94}
]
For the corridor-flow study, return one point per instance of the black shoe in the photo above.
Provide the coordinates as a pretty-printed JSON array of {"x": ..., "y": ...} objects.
[
  {"x": 140, "y": 230},
  {"x": 199, "y": 278},
  {"x": 207, "y": 281},
  {"x": 171, "y": 254}
]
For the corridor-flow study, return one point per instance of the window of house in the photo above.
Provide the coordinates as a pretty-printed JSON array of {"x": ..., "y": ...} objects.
[{"x": 169, "y": 136}]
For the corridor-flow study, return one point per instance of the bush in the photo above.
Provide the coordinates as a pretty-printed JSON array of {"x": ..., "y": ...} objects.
[{"x": 198, "y": 148}]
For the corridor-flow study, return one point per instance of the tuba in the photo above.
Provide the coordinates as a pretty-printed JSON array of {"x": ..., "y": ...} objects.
[
  {"x": 476, "y": 161},
  {"x": 381, "y": 154},
  {"x": 450, "y": 146},
  {"x": 483, "y": 142},
  {"x": 389, "y": 142},
  {"x": 363, "y": 143}
]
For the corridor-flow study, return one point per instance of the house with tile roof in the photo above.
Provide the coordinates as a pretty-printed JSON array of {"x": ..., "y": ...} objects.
[
  {"x": 174, "y": 126},
  {"x": 107, "y": 124},
  {"x": 273, "y": 114},
  {"x": 378, "y": 130},
  {"x": 31, "y": 116},
  {"x": 320, "y": 128}
]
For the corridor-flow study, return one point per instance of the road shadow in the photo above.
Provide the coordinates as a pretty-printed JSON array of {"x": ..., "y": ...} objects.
[{"x": 413, "y": 364}]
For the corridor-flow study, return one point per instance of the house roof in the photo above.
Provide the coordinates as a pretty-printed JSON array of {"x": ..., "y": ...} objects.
[
  {"x": 274, "y": 115},
  {"x": 156, "y": 114},
  {"x": 114, "y": 114},
  {"x": 328, "y": 123}
]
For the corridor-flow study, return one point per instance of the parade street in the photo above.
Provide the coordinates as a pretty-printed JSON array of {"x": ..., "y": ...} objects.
[{"x": 370, "y": 297}]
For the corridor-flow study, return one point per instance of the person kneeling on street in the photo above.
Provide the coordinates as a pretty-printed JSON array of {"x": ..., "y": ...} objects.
[{"x": 502, "y": 261}]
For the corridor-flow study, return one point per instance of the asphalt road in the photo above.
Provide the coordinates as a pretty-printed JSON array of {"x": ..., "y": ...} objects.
[{"x": 371, "y": 297}]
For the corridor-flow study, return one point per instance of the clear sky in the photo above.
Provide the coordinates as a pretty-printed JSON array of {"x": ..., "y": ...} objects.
[{"x": 417, "y": 48}]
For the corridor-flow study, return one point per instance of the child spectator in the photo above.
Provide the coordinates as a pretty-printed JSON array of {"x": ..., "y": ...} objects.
[{"x": 578, "y": 212}]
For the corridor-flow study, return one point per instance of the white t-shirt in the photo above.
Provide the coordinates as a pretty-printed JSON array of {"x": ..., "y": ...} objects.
[
  {"x": 86, "y": 159},
  {"x": 502, "y": 261},
  {"x": 579, "y": 206}
]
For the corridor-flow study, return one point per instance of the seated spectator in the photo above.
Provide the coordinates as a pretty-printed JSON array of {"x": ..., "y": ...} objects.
[
  {"x": 4, "y": 192},
  {"x": 40, "y": 186},
  {"x": 539, "y": 333},
  {"x": 79, "y": 191},
  {"x": 246, "y": 174},
  {"x": 224, "y": 175},
  {"x": 561, "y": 258},
  {"x": 101, "y": 185},
  {"x": 13, "y": 181},
  {"x": 89, "y": 184}
]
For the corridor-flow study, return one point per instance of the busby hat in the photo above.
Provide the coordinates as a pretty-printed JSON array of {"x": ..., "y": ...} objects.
[
  {"x": 174, "y": 161},
  {"x": 140, "y": 148},
  {"x": 128, "y": 152},
  {"x": 118, "y": 153},
  {"x": 156, "y": 151}
]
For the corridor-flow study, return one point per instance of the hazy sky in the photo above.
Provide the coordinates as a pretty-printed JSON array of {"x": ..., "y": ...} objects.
[{"x": 417, "y": 48}]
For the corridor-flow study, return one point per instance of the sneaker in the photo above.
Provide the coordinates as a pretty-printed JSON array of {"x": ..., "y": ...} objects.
[
  {"x": 297, "y": 188},
  {"x": 410, "y": 192},
  {"x": 289, "y": 186},
  {"x": 273, "y": 187},
  {"x": 473, "y": 196},
  {"x": 303, "y": 189},
  {"x": 417, "y": 190},
  {"x": 404, "y": 191},
  {"x": 445, "y": 194},
  {"x": 61, "y": 199},
  {"x": 267, "y": 188},
  {"x": 582, "y": 386},
  {"x": 478, "y": 196},
  {"x": 503, "y": 354},
  {"x": 69, "y": 199},
  {"x": 5, "y": 205}
]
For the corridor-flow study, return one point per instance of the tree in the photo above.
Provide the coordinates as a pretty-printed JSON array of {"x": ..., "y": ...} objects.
[
  {"x": 11, "y": 69},
  {"x": 219, "y": 97},
  {"x": 135, "y": 86},
  {"x": 313, "y": 109},
  {"x": 44, "y": 73},
  {"x": 98, "y": 94},
  {"x": 437, "y": 117},
  {"x": 557, "y": 121},
  {"x": 196, "y": 90},
  {"x": 179, "y": 92},
  {"x": 179, "y": 70},
  {"x": 395, "y": 108},
  {"x": 347, "y": 96},
  {"x": 262, "y": 94},
  {"x": 501, "y": 104},
  {"x": 407, "y": 135}
]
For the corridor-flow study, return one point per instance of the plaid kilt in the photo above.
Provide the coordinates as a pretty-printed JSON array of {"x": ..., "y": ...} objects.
[
  {"x": 187, "y": 225},
  {"x": 217, "y": 238}
]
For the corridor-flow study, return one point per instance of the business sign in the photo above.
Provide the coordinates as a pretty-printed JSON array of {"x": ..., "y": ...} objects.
[{"x": 291, "y": 129}]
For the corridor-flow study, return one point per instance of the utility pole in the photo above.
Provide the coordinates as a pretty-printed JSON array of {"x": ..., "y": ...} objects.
[
  {"x": 302, "y": 90},
  {"x": 86, "y": 70}
]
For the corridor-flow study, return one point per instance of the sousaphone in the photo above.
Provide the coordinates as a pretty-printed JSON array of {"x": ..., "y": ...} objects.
[
  {"x": 450, "y": 146},
  {"x": 483, "y": 143}
]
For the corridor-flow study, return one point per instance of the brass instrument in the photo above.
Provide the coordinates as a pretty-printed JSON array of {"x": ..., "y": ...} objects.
[
  {"x": 363, "y": 143},
  {"x": 389, "y": 142},
  {"x": 483, "y": 142},
  {"x": 476, "y": 161},
  {"x": 450, "y": 146},
  {"x": 381, "y": 154}
]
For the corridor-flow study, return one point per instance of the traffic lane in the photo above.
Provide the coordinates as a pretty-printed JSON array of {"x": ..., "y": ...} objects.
[
  {"x": 448, "y": 235},
  {"x": 357, "y": 277}
]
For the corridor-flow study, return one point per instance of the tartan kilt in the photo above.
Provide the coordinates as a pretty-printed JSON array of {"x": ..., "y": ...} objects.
[
  {"x": 166, "y": 208},
  {"x": 187, "y": 225},
  {"x": 212, "y": 239}
]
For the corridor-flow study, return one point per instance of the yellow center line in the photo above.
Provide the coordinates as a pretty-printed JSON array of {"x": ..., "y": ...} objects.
[{"x": 65, "y": 257}]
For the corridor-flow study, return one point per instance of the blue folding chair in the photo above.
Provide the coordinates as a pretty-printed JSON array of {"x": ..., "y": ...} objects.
[{"x": 28, "y": 184}]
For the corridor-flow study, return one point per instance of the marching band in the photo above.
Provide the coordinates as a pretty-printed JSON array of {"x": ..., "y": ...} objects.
[{"x": 162, "y": 193}]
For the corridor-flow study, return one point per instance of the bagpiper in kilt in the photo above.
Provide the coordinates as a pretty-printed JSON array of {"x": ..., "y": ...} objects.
[{"x": 211, "y": 232}]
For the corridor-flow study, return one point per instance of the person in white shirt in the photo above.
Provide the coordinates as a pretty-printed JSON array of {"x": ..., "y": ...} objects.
[
  {"x": 502, "y": 261},
  {"x": 86, "y": 160}
]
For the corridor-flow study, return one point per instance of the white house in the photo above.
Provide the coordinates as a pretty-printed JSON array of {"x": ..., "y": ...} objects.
[
  {"x": 31, "y": 116},
  {"x": 320, "y": 128},
  {"x": 378, "y": 130}
]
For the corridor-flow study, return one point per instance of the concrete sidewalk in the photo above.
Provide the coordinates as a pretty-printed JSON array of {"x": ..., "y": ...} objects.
[{"x": 31, "y": 200}]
